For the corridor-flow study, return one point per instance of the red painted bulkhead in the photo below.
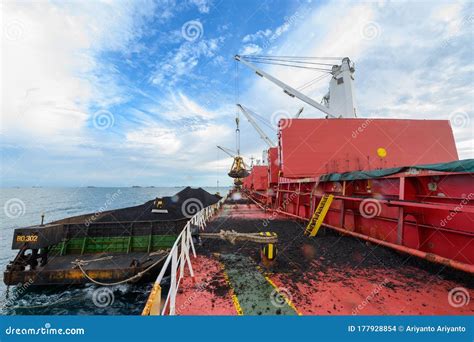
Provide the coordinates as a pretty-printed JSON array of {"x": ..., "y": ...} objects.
[
  {"x": 247, "y": 181},
  {"x": 259, "y": 178},
  {"x": 311, "y": 147},
  {"x": 273, "y": 165}
]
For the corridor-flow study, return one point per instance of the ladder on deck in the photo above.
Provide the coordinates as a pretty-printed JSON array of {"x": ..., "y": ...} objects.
[{"x": 319, "y": 214}]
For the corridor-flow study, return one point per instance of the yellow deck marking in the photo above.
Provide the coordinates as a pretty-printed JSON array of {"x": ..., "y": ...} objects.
[
  {"x": 287, "y": 300},
  {"x": 235, "y": 300}
]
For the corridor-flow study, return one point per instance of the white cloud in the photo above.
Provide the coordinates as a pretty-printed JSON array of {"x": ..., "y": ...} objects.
[
  {"x": 202, "y": 5},
  {"x": 250, "y": 49},
  {"x": 177, "y": 106},
  {"x": 191, "y": 149},
  {"x": 164, "y": 141},
  {"x": 184, "y": 60},
  {"x": 261, "y": 34},
  {"x": 49, "y": 69},
  {"x": 186, "y": 134},
  {"x": 267, "y": 37}
]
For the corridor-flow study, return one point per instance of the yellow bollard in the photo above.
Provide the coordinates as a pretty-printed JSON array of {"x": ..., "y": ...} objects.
[{"x": 268, "y": 251}]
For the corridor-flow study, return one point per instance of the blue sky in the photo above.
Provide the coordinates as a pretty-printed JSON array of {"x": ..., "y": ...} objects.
[{"x": 120, "y": 93}]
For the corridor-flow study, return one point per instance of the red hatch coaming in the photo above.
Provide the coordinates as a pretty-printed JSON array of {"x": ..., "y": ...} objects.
[
  {"x": 311, "y": 147},
  {"x": 259, "y": 177}
]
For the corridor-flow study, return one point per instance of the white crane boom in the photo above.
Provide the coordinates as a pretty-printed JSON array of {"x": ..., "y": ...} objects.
[
  {"x": 286, "y": 88},
  {"x": 262, "y": 134},
  {"x": 227, "y": 151},
  {"x": 299, "y": 113}
]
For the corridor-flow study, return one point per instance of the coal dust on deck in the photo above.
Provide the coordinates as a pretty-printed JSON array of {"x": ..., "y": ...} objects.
[{"x": 329, "y": 274}]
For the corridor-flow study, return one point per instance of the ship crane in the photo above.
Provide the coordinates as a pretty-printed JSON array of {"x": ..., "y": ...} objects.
[
  {"x": 227, "y": 151},
  {"x": 339, "y": 102},
  {"x": 238, "y": 167},
  {"x": 262, "y": 134},
  {"x": 299, "y": 113}
]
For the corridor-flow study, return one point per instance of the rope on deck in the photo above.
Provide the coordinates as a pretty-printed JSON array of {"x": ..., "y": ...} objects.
[
  {"x": 232, "y": 236},
  {"x": 85, "y": 262},
  {"x": 80, "y": 263}
]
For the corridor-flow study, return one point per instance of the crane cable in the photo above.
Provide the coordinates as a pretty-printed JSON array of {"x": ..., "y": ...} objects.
[
  {"x": 237, "y": 114},
  {"x": 307, "y": 84},
  {"x": 293, "y": 57},
  {"x": 312, "y": 82},
  {"x": 288, "y": 60},
  {"x": 304, "y": 62},
  {"x": 295, "y": 66},
  {"x": 263, "y": 120}
]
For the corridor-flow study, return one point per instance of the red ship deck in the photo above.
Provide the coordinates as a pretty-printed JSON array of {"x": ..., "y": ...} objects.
[{"x": 326, "y": 275}]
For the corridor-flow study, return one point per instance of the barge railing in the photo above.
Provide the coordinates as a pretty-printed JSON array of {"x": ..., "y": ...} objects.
[{"x": 178, "y": 258}]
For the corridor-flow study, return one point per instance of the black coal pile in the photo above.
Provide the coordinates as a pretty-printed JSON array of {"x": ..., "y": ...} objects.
[{"x": 182, "y": 205}]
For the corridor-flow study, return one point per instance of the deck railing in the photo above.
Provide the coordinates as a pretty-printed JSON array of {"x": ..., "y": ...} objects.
[{"x": 178, "y": 258}]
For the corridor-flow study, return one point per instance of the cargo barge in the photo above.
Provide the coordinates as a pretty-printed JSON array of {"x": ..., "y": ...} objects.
[{"x": 106, "y": 248}]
